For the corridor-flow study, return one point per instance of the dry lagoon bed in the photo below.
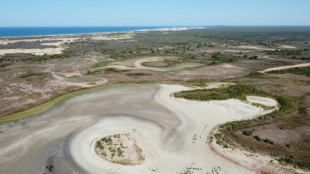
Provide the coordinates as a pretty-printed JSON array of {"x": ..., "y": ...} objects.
[{"x": 172, "y": 133}]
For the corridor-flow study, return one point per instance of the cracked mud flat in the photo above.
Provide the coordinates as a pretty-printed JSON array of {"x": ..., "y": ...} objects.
[{"x": 172, "y": 133}]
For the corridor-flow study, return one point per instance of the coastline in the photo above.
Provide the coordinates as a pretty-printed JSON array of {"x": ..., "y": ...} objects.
[{"x": 164, "y": 28}]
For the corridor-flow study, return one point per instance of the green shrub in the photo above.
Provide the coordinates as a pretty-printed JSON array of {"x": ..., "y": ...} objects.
[
  {"x": 247, "y": 132},
  {"x": 2, "y": 65},
  {"x": 294, "y": 161},
  {"x": 268, "y": 141},
  {"x": 257, "y": 138}
]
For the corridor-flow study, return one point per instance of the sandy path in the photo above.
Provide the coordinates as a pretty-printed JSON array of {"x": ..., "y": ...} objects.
[
  {"x": 172, "y": 133},
  {"x": 285, "y": 67}
]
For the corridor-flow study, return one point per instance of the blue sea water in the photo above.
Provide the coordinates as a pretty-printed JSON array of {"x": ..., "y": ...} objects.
[{"x": 35, "y": 31}]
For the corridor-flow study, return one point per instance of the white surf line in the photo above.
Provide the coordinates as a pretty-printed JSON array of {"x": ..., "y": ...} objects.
[{"x": 285, "y": 67}]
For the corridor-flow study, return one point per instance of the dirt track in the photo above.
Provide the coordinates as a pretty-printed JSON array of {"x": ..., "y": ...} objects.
[{"x": 285, "y": 67}]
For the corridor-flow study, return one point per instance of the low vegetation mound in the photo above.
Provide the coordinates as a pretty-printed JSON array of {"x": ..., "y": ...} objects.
[
  {"x": 119, "y": 148},
  {"x": 235, "y": 91}
]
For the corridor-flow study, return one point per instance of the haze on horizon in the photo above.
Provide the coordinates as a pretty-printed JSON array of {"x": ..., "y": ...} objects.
[{"x": 153, "y": 13}]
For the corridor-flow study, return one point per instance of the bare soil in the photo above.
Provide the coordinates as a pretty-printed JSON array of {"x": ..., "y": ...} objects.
[{"x": 155, "y": 64}]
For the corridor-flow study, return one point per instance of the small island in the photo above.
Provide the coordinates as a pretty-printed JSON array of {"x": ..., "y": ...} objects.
[{"x": 120, "y": 149}]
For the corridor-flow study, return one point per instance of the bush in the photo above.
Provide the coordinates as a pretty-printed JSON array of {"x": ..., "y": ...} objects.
[
  {"x": 292, "y": 160},
  {"x": 268, "y": 141},
  {"x": 247, "y": 132},
  {"x": 253, "y": 57},
  {"x": 257, "y": 138}
]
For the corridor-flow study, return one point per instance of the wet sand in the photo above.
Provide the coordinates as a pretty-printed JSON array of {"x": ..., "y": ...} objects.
[{"x": 171, "y": 132}]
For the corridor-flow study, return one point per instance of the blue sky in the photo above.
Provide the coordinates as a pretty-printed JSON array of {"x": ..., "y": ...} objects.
[{"x": 153, "y": 12}]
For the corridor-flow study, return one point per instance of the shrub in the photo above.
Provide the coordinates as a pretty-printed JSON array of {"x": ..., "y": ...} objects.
[
  {"x": 268, "y": 141},
  {"x": 247, "y": 132},
  {"x": 257, "y": 138}
]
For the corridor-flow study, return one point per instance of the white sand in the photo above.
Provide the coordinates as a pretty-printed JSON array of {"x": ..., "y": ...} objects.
[
  {"x": 58, "y": 41},
  {"x": 251, "y": 47},
  {"x": 285, "y": 67},
  {"x": 160, "y": 147},
  {"x": 287, "y": 47},
  {"x": 33, "y": 51},
  {"x": 262, "y": 100}
]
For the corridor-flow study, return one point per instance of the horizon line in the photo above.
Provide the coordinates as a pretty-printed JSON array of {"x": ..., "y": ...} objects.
[{"x": 162, "y": 26}]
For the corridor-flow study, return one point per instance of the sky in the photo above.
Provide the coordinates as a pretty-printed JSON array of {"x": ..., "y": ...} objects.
[{"x": 153, "y": 12}]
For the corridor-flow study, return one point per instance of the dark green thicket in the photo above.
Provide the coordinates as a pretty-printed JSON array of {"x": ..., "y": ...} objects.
[
  {"x": 17, "y": 57},
  {"x": 285, "y": 52}
]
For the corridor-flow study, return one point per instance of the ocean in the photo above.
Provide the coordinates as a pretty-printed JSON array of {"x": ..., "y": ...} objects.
[{"x": 35, "y": 31}]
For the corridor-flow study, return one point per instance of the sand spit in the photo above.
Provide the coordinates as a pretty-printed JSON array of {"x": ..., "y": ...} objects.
[
  {"x": 262, "y": 100},
  {"x": 172, "y": 133},
  {"x": 285, "y": 67}
]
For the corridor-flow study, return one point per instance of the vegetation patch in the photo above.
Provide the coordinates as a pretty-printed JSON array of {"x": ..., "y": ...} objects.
[
  {"x": 285, "y": 52},
  {"x": 119, "y": 148},
  {"x": 84, "y": 79},
  {"x": 235, "y": 91},
  {"x": 218, "y": 57},
  {"x": 30, "y": 74},
  {"x": 28, "y": 57},
  {"x": 268, "y": 141},
  {"x": 98, "y": 66},
  {"x": 292, "y": 160},
  {"x": 247, "y": 132},
  {"x": 257, "y": 138},
  {"x": 2, "y": 65}
]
